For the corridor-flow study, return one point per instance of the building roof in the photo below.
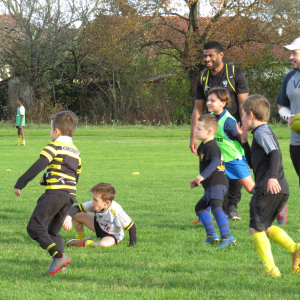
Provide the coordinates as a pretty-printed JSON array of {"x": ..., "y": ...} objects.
[{"x": 241, "y": 37}]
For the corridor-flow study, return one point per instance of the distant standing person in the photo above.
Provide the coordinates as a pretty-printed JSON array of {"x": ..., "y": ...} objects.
[
  {"x": 20, "y": 121},
  {"x": 288, "y": 102},
  {"x": 233, "y": 79}
]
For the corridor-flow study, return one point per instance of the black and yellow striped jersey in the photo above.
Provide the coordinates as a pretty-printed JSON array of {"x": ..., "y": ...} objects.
[{"x": 64, "y": 166}]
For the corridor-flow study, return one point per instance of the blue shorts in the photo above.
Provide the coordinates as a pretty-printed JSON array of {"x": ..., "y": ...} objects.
[
  {"x": 217, "y": 192},
  {"x": 237, "y": 169}
]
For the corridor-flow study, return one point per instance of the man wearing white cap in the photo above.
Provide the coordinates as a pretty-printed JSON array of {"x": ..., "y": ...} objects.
[{"x": 288, "y": 102}]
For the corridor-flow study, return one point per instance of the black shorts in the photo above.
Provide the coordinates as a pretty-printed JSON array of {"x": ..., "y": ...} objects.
[
  {"x": 264, "y": 209},
  {"x": 295, "y": 157},
  {"x": 19, "y": 125},
  {"x": 101, "y": 233}
]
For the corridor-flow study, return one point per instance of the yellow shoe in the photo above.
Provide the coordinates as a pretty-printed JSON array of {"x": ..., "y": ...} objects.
[
  {"x": 274, "y": 272},
  {"x": 296, "y": 260}
]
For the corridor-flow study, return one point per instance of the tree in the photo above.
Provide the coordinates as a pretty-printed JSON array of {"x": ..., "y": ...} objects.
[
  {"x": 37, "y": 37},
  {"x": 240, "y": 25},
  {"x": 116, "y": 65}
]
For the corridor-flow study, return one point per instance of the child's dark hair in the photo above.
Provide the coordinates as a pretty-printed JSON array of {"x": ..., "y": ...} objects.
[
  {"x": 222, "y": 94},
  {"x": 66, "y": 121},
  {"x": 259, "y": 106},
  {"x": 20, "y": 99},
  {"x": 214, "y": 45},
  {"x": 209, "y": 121},
  {"x": 106, "y": 190}
]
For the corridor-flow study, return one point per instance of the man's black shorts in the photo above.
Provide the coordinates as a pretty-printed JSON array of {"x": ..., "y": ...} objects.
[
  {"x": 101, "y": 233},
  {"x": 295, "y": 157},
  {"x": 264, "y": 209}
]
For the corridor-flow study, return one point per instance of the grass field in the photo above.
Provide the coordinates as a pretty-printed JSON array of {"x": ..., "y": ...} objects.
[{"x": 170, "y": 260}]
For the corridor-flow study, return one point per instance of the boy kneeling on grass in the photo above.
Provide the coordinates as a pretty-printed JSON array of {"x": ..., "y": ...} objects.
[
  {"x": 271, "y": 190},
  {"x": 109, "y": 221}
]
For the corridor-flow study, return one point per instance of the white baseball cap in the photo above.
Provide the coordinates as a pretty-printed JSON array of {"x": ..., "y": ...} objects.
[{"x": 295, "y": 45}]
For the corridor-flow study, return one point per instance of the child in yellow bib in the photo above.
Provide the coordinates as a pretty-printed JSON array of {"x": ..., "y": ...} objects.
[{"x": 228, "y": 139}]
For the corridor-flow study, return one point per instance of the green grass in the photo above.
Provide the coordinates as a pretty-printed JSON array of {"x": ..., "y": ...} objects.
[{"x": 170, "y": 260}]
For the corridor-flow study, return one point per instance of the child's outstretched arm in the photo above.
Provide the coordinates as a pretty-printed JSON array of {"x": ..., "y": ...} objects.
[{"x": 30, "y": 174}]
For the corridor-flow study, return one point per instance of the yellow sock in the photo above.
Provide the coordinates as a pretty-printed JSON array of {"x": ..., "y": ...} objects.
[
  {"x": 19, "y": 139},
  {"x": 80, "y": 235},
  {"x": 89, "y": 242},
  {"x": 23, "y": 141},
  {"x": 263, "y": 248},
  {"x": 280, "y": 237}
]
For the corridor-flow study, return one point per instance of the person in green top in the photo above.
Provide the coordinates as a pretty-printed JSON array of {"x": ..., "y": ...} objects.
[
  {"x": 20, "y": 121},
  {"x": 229, "y": 141}
]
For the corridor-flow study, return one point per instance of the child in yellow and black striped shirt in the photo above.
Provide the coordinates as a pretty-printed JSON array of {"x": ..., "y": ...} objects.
[{"x": 64, "y": 165}]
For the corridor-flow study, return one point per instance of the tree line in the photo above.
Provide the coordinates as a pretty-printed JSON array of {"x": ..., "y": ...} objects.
[{"x": 133, "y": 61}]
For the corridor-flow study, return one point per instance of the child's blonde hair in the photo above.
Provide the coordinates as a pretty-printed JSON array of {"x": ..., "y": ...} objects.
[
  {"x": 209, "y": 121},
  {"x": 222, "y": 94},
  {"x": 259, "y": 106},
  {"x": 106, "y": 190}
]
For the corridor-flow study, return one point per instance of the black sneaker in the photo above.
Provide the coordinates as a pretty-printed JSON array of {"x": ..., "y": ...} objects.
[
  {"x": 232, "y": 213},
  {"x": 57, "y": 264}
]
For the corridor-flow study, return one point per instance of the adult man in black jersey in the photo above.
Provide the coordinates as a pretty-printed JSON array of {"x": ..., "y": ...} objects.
[{"x": 220, "y": 74}]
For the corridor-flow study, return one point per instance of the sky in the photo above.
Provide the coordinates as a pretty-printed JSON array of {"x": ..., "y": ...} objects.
[{"x": 183, "y": 10}]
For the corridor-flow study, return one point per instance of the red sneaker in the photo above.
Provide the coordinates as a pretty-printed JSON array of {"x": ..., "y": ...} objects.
[{"x": 282, "y": 216}]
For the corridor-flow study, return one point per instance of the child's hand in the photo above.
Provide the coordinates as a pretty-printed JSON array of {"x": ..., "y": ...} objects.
[
  {"x": 273, "y": 186},
  {"x": 193, "y": 183},
  {"x": 199, "y": 179},
  {"x": 43, "y": 180},
  {"x": 242, "y": 132},
  {"x": 67, "y": 225},
  {"x": 17, "y": 192}
]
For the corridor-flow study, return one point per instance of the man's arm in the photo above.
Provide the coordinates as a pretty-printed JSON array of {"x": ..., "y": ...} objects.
[
  {"x": 197, "y": 112},
  {"x": 241, "y": 98},
  {"x": 283, "y": 101}
]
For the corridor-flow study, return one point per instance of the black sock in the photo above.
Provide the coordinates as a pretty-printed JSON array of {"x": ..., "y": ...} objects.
[
  {"x": 54, "y": 251},
  {"x": 58, "y": 255}
]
